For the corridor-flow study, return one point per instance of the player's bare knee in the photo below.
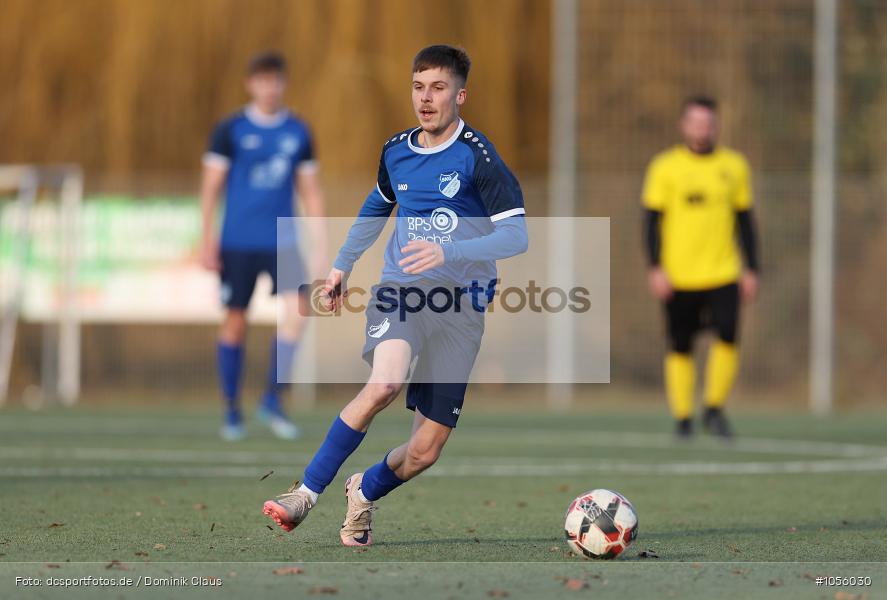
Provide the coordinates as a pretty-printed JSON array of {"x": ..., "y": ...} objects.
[
  {"x": 381, "y": 394},
  {"x": 233, "y": 329}
]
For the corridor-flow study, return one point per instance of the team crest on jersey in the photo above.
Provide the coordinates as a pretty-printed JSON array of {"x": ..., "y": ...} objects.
[
  {"x": 449, "y": 184},
  {"x": 288, "y": 144},
  {"x": 251, "y": 141}
]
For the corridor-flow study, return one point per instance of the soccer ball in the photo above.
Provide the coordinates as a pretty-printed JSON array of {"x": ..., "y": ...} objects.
[{"x": 600, "y": 524}]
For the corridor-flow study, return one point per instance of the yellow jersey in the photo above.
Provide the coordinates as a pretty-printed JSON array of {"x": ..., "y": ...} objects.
[{"x": 698, "y": 196}]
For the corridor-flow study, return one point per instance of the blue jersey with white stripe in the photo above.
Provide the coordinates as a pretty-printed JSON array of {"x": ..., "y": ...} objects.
[
  {"x": 262, "y": 154},
  {"x": 446, "y": 194}
]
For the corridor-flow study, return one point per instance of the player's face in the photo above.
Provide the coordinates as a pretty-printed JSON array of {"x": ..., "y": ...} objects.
[
  {"x": 699, "y": 126},
  {"x": 266, "y": 90},
  {"x": 437, "y": 96}
]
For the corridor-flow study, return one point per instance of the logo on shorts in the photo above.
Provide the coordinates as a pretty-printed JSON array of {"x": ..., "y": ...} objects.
[
  {"x": 377, "y": 331},
  {"x": 449, "y": 184},
  {"x": 457, "y": 410}
]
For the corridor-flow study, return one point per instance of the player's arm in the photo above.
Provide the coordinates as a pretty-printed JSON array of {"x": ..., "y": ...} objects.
[
  {"x": 508, "y": 238},
  {"x": 211, "y": 184},
  {"x": 216, "y": 162},
  {"x": 310, "y": 194},
  {"x": 364, "y": 232},
  {"x": 654, "y": 200},
  {"x": 748, "y": 237}
]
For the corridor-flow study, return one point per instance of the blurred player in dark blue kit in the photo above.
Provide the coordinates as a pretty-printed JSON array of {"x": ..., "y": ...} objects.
[
  {"x": 263, "y": 156},
  {"x": 459, "y": 209}
]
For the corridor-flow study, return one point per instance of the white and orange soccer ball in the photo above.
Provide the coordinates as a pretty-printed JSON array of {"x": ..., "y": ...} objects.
[{"x": 600, "y": 524}]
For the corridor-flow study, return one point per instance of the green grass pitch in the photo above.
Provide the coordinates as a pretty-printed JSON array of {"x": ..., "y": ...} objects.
[{"x": 130, "y": 493}]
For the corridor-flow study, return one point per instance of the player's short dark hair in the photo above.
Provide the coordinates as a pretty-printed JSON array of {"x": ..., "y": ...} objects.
[
  {"x": 700, "y": 100},
  {"x": 269, "y": 61},
  {"x": 443, "y": 56}
]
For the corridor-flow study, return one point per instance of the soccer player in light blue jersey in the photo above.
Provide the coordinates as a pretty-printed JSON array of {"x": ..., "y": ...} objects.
[
  {"x": 263, "y": 156},
  {"x": 459, "y": 209}
]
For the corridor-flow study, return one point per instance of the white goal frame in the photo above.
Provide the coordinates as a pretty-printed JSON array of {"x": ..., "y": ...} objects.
[{"x": 60, "y": 363}]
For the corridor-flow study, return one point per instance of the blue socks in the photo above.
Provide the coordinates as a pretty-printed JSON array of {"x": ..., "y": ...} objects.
[
  {"x": 230, "y": 363},
  {"x": 282, "y": 355},
  {"x": 379, "y": 480},
  {"x": 340, "y": 442}
]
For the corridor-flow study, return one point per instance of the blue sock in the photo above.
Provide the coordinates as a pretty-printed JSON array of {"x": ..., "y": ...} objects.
[
  {"x": 230, "y": 363},
  {"x": 379, "y": 480},
  {"x": 340, "y": 442},
  {"x": 282, "y": 355}
]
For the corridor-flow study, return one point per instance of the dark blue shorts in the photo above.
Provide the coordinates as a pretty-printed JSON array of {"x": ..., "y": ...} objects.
[
  {"x": 444, "y": 343},
  {"x": 241, "y": 269}
]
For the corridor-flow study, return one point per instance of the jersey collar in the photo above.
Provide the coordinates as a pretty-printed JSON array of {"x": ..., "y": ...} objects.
[
  {"x": 438, "y": 148},
  {"x": 260, "y": 119}
]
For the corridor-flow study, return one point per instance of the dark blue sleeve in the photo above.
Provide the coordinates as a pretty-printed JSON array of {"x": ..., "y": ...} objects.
[
  {"x": 307, "y": 150},
  {"x": 498, "y": 188},
  {"x": 220, "y": 141},
  {"x": 383, "y": 181}
]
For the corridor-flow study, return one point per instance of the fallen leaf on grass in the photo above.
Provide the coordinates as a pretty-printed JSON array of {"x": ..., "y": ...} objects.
[
  {"x": 372, "y": 570},
  {"x": 211, "y": 527},
  {"x": 563, "y": 487},
  {"x": 808, "y": 577},
  {"x": 775, "y": 583},
  {"x": 53, "y": 566},
  {"x": 733, "y": 548},
  {"x": 554, "y": 549},
  {"x": 138, "y": 513},
  {"x": 477, "y": 540},
  {"x": 522, "y": 504},
  {"x": 116, "y": 564},
  {"x": 470, "y": 530},
  {"x": 490, "y": 503},
  {"x": 266, "y": 475},
  {"x": 648, "y": 554},
  {"x": 324, "y": 589},
  {"x": 575, "y": 584},
  {"x": 739, "y": 571},
  {"x": 361, "y": 550},
  {"x": 160, "y": 546},
  {"x": 158, "y": 500},
  {"x": 140, "y": 553},
  {"x": 289, "y": 571},
  {"x": 792, "y": 529},
  {"x": 497, "y": 594},
  {"x": 269, "y": 528},
  {"x": 200, "y": 506},
  {"x": 51, "y": 525},
  {"x": 848, "y": 596}
]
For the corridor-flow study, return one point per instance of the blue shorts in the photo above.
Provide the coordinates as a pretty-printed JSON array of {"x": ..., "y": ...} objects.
[
  {"x": 241, "y": 269},
  {"x": 446, "y": 343}
]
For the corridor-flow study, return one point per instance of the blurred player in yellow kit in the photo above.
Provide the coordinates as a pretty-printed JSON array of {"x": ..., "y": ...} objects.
[{"x": 695, "y": 196}]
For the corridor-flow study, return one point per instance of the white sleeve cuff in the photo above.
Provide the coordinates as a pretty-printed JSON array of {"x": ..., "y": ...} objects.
[
  {"x": 308, "y": 167},
  {"x": 212, "y": 159},
  {"x": 507, "y": 213}
]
